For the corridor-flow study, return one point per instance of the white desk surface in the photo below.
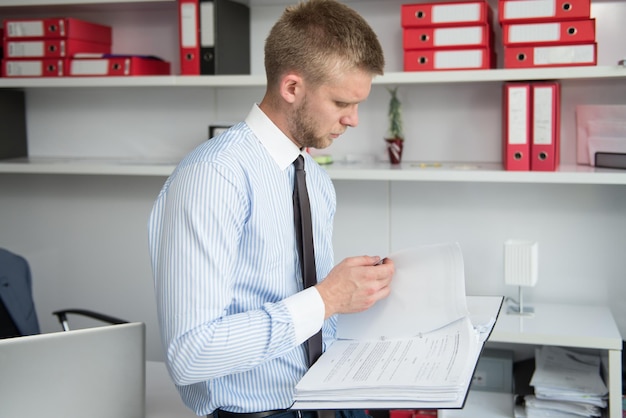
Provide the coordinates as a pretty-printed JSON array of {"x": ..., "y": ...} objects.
[
  {"x": 162, "y": 399},
  {"x": 564, "y": 325}
]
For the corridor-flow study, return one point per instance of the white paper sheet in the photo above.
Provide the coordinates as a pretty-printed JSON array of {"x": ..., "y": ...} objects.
[
  {"x": 599, "y": 121},
  {"x": 362, "y": 370},
  {"x": 428, "y": 292},
  {"x": 562, "y": 374}
]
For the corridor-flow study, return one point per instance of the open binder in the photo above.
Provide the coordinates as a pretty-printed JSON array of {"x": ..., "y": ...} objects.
[{"x": 416, "y": 349}]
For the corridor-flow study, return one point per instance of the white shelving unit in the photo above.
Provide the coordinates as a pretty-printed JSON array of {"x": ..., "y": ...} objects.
[
  {"x": 579, "y": 327},
  {"x": 392, "y": 78},
  {"x": 573, "y": 326},
  {"x": 447, "y": 172},
  {"x": 463, "y": 172}
]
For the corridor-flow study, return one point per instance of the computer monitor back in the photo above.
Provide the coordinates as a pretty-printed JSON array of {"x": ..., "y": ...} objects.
[{"x": 95, "y": 372}]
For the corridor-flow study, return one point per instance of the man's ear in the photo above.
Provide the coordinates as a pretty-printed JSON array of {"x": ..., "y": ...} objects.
[{"x": 291, "y": 87}]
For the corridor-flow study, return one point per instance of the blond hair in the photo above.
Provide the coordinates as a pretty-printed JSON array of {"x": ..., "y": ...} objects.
[{"x": 315, "y": 36}]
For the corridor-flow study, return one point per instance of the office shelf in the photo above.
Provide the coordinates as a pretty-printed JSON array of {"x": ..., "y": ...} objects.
[
  {"x": 473, "y": 172},
  {"x": 83, "y": 166},
  {"x": 381, "y": 171},
  {"x": 393, "y": 78},
  {"x": 225, "y": 81}
]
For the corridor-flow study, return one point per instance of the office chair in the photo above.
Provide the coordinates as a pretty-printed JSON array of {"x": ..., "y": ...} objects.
[{"x": 18, "y": 316}]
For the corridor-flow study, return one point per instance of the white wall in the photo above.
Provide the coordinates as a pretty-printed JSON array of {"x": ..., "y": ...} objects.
[{"x": 85, "y": 236}]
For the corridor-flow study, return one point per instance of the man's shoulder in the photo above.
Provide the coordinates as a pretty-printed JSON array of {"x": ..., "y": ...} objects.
[{"x": 227, "y": 148}]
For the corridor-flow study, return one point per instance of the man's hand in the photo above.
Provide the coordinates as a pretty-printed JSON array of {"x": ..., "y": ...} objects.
[{"x": 356, "y": 284}]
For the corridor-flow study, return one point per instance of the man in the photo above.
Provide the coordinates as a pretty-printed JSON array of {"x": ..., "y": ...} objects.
[{"x": 233, "y": 313}]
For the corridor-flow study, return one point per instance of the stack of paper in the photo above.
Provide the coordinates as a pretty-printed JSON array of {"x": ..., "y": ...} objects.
[
  {"x": 600, "y": 129},
  {"x": 567, "y": 384},
  {"x": 433, "y": 367},
  {"x": 416, "y": 349},
  {"x": 536, "y": 408}
]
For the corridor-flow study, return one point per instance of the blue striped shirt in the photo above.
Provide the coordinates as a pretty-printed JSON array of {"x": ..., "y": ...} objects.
[{"x": 228, "y": 285}]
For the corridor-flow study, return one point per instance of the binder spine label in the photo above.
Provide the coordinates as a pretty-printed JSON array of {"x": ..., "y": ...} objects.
[
  {"x": 90, "y": 67},
  {"x": 62, "y": 31},
  {"x": 542, "y": 115},
  {"x": 24, "y": 68},
  {"x": 517, "y": 115},
  {"x": 535, "y": 32},
  {"x": 569, "y": 54},
  {"x": 456, "y": 13},
  {"x": 529, "y": 9},
  {"x": 25, "y": 29},
  {"x": 25, "y": 49},
  {"x": 472, "y": 35},
  {"x": 456, "y": 59},
  {"x": 207, "y": 34},
  {"x": 188, "y": 25}
]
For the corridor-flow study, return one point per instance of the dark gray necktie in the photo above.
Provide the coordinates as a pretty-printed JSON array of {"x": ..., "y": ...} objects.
[{"x": 304, "y": 238}]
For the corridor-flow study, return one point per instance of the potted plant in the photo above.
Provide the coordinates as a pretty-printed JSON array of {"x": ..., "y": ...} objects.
[{"x": 395, "y": 137}]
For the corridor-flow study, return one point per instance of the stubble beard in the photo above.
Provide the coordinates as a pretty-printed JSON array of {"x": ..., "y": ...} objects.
[{"x": 303, "y": 128}]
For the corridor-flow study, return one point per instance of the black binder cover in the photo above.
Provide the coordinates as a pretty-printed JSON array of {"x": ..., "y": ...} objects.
[
  {"x": 224, "y": 37},
  {"x": 13, "y": 123},
  {"x": 610, "y": 160}
]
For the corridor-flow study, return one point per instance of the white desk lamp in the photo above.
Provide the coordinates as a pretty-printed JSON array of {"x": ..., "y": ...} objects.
[{"x": 520, "y": 269}]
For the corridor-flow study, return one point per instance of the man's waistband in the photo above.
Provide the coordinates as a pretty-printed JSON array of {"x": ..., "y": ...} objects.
[{"x": 265, "y": 414}]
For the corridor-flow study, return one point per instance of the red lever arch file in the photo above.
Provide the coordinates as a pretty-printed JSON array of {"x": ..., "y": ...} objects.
[
  {"x": 189, "y": 27},
  {"x": 51, "y": 67},
  {"x": 65, "y": 28},
  {"x": 446, "y": 37},
  {"x": 546, "y": 126},
  {"x": 456, "y": 13},
  {"x": 52, "y": 48},
  {"x": 561, "y": 32},
  {"x": 454, "y": 59},
  {"x": 550, "y": 56},
  {"x": 117, "y": 65},
  {"x": 516, "y": 123},
  {"x": 542, "y": 10}
]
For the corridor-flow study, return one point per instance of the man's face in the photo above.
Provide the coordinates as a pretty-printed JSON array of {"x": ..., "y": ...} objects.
[{"x": 327, "y": 111}]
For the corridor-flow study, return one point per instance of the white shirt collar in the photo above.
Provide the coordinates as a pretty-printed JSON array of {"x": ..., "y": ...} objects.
[{"x": 280, "y": 147}]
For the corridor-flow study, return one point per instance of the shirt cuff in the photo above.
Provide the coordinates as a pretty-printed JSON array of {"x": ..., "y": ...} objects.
[{"x": 307, "y": 310}]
